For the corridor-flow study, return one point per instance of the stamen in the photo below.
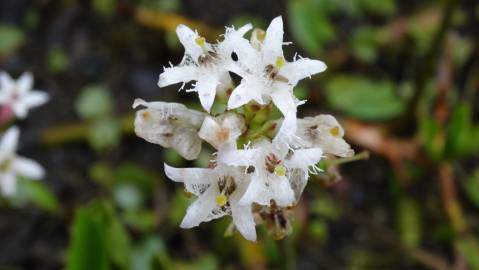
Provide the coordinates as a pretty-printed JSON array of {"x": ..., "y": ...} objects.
[
  {"x": 200, "y": 41},
  {"x": 280, "y": 170},
  {"x": 334, "y": 131},
  {"x": 221, "y": 199},
  {"x": 260, "y": 34},
  {"x": 280, "y": 61}
]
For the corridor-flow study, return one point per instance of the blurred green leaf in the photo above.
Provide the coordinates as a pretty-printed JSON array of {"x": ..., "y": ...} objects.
[
  {"x": 431, "y": 138},
  {"x": 138, "y": 176},
  {"x": 104, "y": 133},
  {"x": 143, "y": 254},
  {"x": 365, "y": 42},
  {"x": 101, "y": 174},
  {"x": 172, "y": 157},
  {"x": 318, "y": 229},
  {"x": 104, "y": 7},
  {"x": 469, "y": 248},
  {"x": 94, "y": 101},
  {"x": 301, "y": 91},
  {"x": 36, "y": 193},
  {"x": 11, "y": 37},
  {"x": 462, "y": 136},
  {"x": 58, "y": 60},
  {"x": 326, "y": 208},
  {"x": 471, "y": 187},
  {"x": 409, "y": 222},
  {"x": 310, "y": 25},
  {"x": 243, "y": 19},
  {"x": 143, "y": 220},
  {"x": 383, "y": 7},
  {"x": 178, "y": 206},
  {"x": 118, "y": 243},
  {"x": 127, "y": 196},
  {"x": 87, "y": 249},
  {"x": 364, "y": 98}
]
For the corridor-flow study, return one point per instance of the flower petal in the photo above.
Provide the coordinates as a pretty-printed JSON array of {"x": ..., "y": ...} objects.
[
  {"x": 25, "y": 83},
  {"x": 301, "y": 68},
  {"x": 28, "y": 168},
  {"x": 273, "y": 41},
  {"x": 281, "y": 190},
  {"x": 244, "y": 93},
  {"x": 173, "y": 75},
  {"x": 199, "y": 210},
  {"x": 34, "y": 99},
  {"x": 284, "y": 99},
  {"x": 192, "y": 175},
  {"x": 244, "y": 221},
  {"x": 206, "y": 88},
  {"x": 245, "y": 157},
  {"x": 9, "y": 141},
  {"x": 7, "y": 84},
  {"x": 303, "y": 158},
  {"x": 187, "y": 38},
  {"x": 8, "y": 183}
]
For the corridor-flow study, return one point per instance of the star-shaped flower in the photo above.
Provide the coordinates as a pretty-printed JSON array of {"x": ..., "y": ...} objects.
[
  {"x": 266, "y": 75},
  {"x": 18, "y": 95},
  {"x": 218, "y": 189},
  {"x": 274, "y": 163},
  {"x": 12, "y": 165},
  {"x": 170, "y": 125},
  {"x": 204, "y": 63}
]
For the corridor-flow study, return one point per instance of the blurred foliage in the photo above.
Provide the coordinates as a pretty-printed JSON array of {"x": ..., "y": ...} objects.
[{"x": 402, "y": 76}]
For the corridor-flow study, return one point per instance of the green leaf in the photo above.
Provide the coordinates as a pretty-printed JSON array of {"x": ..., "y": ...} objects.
[
  {"x": 118, "y": 243},
  {"x": 471, "y": 187},
  {"x": 94, "y": 101},
  {"x": 11, "y": 37},
  {"x": 104, "y": 133},
  {"x": 143, "y": 254},
  {"x": 310, "y": 25},
  {"x": 104, "y": 7},
  {"x": 36, "y": 193},
  {"x": 101, "y": 174},
  {"x": 364, "y": 98},
  {"x": 58, "y": 60},
  {"x": 143, "y": 220},
  {"x": 87, "y": 248},
  {"x": 461, "y": 134},
  {"x": 431, "y": 138},
  {"x": 383, "y": 7},
  {"x": 469, "y": 248},
  {"x": 409, "y": 222},
  {"x": 128, "y": 196}
]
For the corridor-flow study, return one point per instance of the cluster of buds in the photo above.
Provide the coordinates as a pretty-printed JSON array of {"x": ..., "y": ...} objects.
[
  {"x": 16, "y": 99},
  {"x": 261, "y": 164}
]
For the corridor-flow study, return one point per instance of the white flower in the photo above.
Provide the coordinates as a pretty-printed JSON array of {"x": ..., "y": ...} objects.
[
  {"x": 170, "y": 125},
  {"x": 222, "y": 131},
  {"x": 325, "y": 132},
  {"x": 218, "y": 190},
  {"x": 204, "y": 63},
  {"x": 18, "y": 95},
  {"x": 274, "y": 163},
  {"x": 266, "y": 75},
  {"x": 12, "y": 165}
]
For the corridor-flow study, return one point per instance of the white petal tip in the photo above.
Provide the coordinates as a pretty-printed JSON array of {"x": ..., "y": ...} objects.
[{"x": 138, "y": 102}]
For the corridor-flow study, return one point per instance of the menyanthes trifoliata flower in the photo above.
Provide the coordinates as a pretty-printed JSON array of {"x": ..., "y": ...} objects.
[{"x": 262, "y": 163}]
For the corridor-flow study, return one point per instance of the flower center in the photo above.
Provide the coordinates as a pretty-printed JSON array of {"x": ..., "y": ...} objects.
[
  {"x": 221, "y": 200},
  {"x": 274, "y": 165},
  {"x": 227, "y": 186},
  {"x": 334, "y": 131},
  {"x": 200, "y": 41}
]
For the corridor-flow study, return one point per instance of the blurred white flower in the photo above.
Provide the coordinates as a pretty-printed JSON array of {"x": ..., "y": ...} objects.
[
  {"x": 325, "y": 132},
  {"x": 266, "y": 75},
  {"x": 222, "y": 131},
  {"x": 170, "y": 125},
  {"x": 12, "y": 165},
  {"x": 273, "y": 163},
  {"x": 218, "y": 189},
  {"x": 204, "y": 63},
  {"x": 18, "y": 95}
]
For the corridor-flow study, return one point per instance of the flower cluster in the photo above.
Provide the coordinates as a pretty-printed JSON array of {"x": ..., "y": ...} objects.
[
  {"x": 261, "y": 164},
  {"x": 16, "y": 99}
]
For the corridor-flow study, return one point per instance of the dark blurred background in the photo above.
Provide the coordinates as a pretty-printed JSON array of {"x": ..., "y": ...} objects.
[{"x": 402, "y": 79}]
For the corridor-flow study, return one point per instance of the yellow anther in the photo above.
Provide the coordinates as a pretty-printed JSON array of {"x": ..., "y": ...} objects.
[
  {"x": 280, "y": 170},
  {"x": 146, "y": 115},
  {"x": 334, "y": 131},
  {"x": 280, "y": 61},
  {"x": 200, "y": 41},
  {"x": 260, "y": 34},
  {"x": 221, "y": 200}
]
